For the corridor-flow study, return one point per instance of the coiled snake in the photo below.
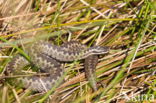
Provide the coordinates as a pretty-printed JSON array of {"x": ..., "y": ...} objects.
[{"x": 48, "y": 58}]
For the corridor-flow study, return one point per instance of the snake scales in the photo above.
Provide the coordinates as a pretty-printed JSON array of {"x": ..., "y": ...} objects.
[{"x": 48, "y": 58}]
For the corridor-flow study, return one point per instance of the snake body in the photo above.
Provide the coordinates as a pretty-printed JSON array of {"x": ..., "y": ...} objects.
[{"x": 48, "y": 58}]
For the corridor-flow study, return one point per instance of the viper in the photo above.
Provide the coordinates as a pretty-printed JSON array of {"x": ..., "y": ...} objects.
[{"x": 49, "y": 59}]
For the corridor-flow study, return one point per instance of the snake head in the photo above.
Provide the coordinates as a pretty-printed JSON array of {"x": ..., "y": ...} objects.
[{"x": 100, "y": 49}]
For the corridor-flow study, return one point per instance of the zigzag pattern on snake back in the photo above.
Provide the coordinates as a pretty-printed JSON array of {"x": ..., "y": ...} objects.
[{"x": 48, "y": 58}]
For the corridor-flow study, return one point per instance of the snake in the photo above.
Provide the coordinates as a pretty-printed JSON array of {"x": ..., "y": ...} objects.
[{"x": 49, "y": 59}]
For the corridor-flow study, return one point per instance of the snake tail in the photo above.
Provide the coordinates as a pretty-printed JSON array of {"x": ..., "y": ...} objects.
[{"x": 90, "y": 67}]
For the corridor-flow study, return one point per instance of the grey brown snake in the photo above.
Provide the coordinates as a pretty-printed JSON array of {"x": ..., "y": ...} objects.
[{"x": 49, "y": 58}]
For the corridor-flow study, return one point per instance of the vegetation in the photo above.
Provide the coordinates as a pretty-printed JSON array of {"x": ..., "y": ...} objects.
[{"x": 126, "y": 74}]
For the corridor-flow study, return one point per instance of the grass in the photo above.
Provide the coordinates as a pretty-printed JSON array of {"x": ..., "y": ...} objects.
[{"x": 126, "y": 74}]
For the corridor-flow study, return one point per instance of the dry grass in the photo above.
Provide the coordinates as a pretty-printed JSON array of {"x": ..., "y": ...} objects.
[{"x": 126, "y": 74}]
